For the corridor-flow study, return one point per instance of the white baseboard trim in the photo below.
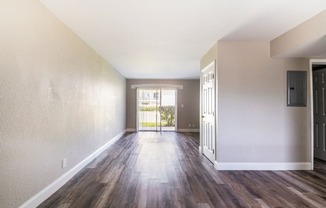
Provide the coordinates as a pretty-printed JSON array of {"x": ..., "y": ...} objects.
[
  {"x": 58, "y": 183},
  {"x": 263, "y": 166},
  {"x": 188, "y": 130},
  {"x": 130, "y": 130},
  {"x": 216, "y": 165},
  {"x": 199, "y": 149}
]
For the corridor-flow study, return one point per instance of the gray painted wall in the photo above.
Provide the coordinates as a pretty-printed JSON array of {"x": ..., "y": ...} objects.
[
  {"x": 58, "y": 99},
  {"x": 188, "y": 96},
  {"x": 255, "y": 124}
]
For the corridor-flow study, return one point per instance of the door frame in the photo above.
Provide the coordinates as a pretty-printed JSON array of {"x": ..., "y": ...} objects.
[
  {"x": 311, "y": 62},
  {"x": 160, "y": 88},
  {"x": 214, "y": 63}
]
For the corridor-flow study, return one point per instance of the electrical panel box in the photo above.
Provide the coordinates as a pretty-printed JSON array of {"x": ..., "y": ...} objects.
[{"x": 297, "y": 88}]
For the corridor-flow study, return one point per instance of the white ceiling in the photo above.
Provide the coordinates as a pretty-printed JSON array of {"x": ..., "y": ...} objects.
[{"x": 165, "y": 39}]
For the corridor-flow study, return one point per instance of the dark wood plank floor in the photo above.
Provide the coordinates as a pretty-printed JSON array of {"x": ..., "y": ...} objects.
[{"x": 165, "y": 170}]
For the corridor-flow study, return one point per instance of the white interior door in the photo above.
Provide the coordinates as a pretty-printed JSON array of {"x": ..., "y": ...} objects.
[{"x": 208, "y": 111}]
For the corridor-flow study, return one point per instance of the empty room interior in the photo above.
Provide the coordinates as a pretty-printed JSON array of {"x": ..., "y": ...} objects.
[{"x": 175, "y": 103}]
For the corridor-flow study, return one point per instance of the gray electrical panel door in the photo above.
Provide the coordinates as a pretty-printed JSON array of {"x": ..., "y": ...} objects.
[
  {"x": 297, "y": 88},
  {"x": 319, "y": 98}
]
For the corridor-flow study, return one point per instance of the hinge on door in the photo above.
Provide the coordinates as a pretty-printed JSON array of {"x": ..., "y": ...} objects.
[{"x": 213, "y": 151}]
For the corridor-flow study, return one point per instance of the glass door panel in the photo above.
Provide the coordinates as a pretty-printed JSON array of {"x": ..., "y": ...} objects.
[
  {"x": 148, "y": 106},
  {"x": 168, "y": 109}
]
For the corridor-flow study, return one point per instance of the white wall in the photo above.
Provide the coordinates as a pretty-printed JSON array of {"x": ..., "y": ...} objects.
[
  {"x": 255, "y": 125},
  {"x": 58, "y": 99}
]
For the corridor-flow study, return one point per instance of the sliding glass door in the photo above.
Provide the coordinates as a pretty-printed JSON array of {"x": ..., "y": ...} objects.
[
  {"x": 148, "y": 109},
  {"x": 167, "y": 109},
  {"x": 156, "y": 109}
]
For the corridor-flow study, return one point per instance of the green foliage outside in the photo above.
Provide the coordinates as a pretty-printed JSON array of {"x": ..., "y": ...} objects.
[
  {"x": 148, "y": 108},
  {"x": 147, "y": 124},
  {"x": 167, "y": 115},
  {"x": 152, "y": 124}
]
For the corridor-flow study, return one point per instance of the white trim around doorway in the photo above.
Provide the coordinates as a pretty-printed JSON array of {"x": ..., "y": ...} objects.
[{"x": 311, "y": 99}]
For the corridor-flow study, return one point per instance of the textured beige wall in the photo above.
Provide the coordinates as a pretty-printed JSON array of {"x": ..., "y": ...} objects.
[
  {"x": 188, "y": 96},
  {"x": 255, "y": 125},
  {"x": 306, "y": 33},
  {"x": 58, "y": 99}
]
